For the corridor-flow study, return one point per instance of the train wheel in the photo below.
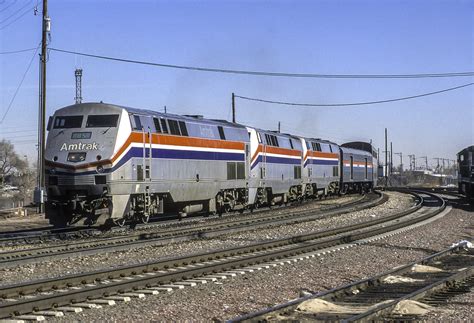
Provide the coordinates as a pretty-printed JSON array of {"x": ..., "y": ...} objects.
[
  {"x": 145, "y": 218},
  {"x": 120, "y": 222}
]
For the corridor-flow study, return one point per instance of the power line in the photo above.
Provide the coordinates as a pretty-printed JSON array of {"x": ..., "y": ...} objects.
[
  {"x": 16, "y": 131},
  {"x": 19, "y": 85},
  {"x": 18, "y": 51},
  {"x": 14, "y": 138},
  {"x": 17, "y": 18},
  {"x": 355, "y": 103},
  {"x": 6, "y": 7},
  {"x": 17, "y": 11},
  {"x": 272, "y": 74}
]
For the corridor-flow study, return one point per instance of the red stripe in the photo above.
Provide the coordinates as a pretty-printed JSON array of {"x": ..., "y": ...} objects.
[
  {"x": 311, "y": 153},
  {"x": 276, "y": 150}
]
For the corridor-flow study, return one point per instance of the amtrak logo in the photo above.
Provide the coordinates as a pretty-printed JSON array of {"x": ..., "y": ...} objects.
[{"x": 79, "y": 146}]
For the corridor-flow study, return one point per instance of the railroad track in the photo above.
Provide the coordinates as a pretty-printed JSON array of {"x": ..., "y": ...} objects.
[
  {"x": 57, "y": 295},
  {"x": 49, "y": 233},
  {"x": 179, "y": 234},
  {"x": 402, "y": 294}
]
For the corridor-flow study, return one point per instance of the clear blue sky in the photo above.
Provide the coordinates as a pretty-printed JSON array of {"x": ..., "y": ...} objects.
[{"x": 333, "y": 37}]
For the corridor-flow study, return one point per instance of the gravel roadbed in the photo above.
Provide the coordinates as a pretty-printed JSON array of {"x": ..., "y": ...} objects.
[
  {"x": 59, "y": 267},
  {"x": 258, "y": 290},
  {"x": 189, "y": 222}
]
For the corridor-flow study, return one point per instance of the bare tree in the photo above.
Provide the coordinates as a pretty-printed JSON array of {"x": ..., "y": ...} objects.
[{"x": 10, "y": 162}]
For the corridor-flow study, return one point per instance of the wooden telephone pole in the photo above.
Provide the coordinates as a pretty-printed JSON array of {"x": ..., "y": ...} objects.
[
  {"x": 39, "y": 192},
  {"x": 233, "y": 107}
]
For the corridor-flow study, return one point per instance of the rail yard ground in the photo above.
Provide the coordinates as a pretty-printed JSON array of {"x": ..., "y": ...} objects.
[
  {"x": 229, "y": 298},
  {"x": 22, "y": 223}
]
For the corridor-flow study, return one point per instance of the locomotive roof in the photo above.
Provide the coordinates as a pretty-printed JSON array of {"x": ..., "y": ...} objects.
[
  {"x": 360, "y": 145},
  {"x": 324, "y": 141},
  {"x": 355, "y": 151},
  {"x": 465, "y": 150},
  {"x": 275, "y": 133},
  {"x": 147, "y": 112},
  {"x": 184, "y": 117}
]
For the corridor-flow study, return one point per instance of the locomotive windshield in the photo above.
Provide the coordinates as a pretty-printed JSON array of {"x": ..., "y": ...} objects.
[
  {"x": 67, "y": 122},
  {"x": 102, "y": 121}
]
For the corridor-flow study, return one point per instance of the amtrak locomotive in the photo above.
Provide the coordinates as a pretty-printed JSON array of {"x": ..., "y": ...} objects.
[{"x": 111, "y": 164}]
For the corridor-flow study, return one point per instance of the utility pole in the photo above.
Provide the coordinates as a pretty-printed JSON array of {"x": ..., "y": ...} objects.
[
  {"x": 279, "y": 128},
  {"x": 437, "y": 167},
  {"x": 401, "y": 161},
  {"x": 378, "y": 159},
  {"x": 39, "y": 192},
  {"x": 78, "y": 74},
  {"x": 233, "y": 107},
  {"x": 165, "y": 108},
  {"x": 443, "y": 174},
  {"x": 386, "y": 156},
  {"x": 412, "y": 157},
  {"x": 426, "y": 161},
  {"x": 391, "y": 158}
]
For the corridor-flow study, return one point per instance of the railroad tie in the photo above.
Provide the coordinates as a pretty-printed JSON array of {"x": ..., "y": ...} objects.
[
  {"x": 37, "y": 318},
  {"x": 70, "y": 309},
  {"x": 87, "y": 305},
  {"x": 147, "y": 291},
  {"x": 103, "y": 302},
  {"x": 49, "y": 313},
  {"x": 238, "y": 272},
  {"x": 162, "y": 289},
  {"x": 134, "y": 295},
  {"x": 197, "y": 281},
  {"x": 186, "y": 283},
  {"x": 172, "y": 286},
  {"x": 118, "y": 298},
  {"x": 216, "y": 276},
  {"x": 208, "y": 278}
]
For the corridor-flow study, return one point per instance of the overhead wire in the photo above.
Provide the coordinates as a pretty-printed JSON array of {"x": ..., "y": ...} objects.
[
  {"x": 19, "y": 85},
  {"x": 270, "y": 74},
  {"x": 16, "y": 137},
  {"x": 6, "y": 7},
  {"x": 18, "y": 51},
  {"x": 17, "y": 18},
  {"x": 2, "y": 133},
  {"x": 352, "y": 103},
  {"x": 16, "y": 12}
]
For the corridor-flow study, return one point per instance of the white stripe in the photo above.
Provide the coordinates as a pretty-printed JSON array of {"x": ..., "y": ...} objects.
[{"x": 323, "y": 158}]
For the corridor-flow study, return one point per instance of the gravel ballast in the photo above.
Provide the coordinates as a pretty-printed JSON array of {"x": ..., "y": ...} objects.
[
  {"x": 60, "y": 267},
  {"x": 258, "y": 290}
]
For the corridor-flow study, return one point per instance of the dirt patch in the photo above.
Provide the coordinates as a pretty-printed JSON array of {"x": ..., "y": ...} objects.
[
  {"x": 411, "y": 307},
  {"x": 322, "y": 306},
  {"x": 400, "y": 279},
  {"x": 21, "y": 223},
  {"x": 425, "y": 269}
]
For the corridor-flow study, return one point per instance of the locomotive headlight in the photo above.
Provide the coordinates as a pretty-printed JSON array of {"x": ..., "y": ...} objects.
[
  {"x": 100, "y": 169},
  {"x": 52, "y": 171}
]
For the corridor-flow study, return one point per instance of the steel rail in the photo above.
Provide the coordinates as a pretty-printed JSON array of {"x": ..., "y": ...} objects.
[
  {"x": 171, "y": 270},
  {"x": 49, "y": 233},
  {"x": 416, "y": 295},
  {"x": 373, "y": 313},
  {"x": 167, "y": 236},
  {"x": 372, "y": 282}
]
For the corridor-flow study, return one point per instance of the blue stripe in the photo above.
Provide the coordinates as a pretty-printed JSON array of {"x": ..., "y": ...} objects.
[
  {"x": 322, "y": 162},
  {"x": 194, "y": 154},
  {"x": 158, "y": 153},
  {"x": 276, "y": 160}
]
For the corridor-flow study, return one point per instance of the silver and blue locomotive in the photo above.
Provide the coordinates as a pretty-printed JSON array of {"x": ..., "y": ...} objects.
[{"x": 110, "y": 164}]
